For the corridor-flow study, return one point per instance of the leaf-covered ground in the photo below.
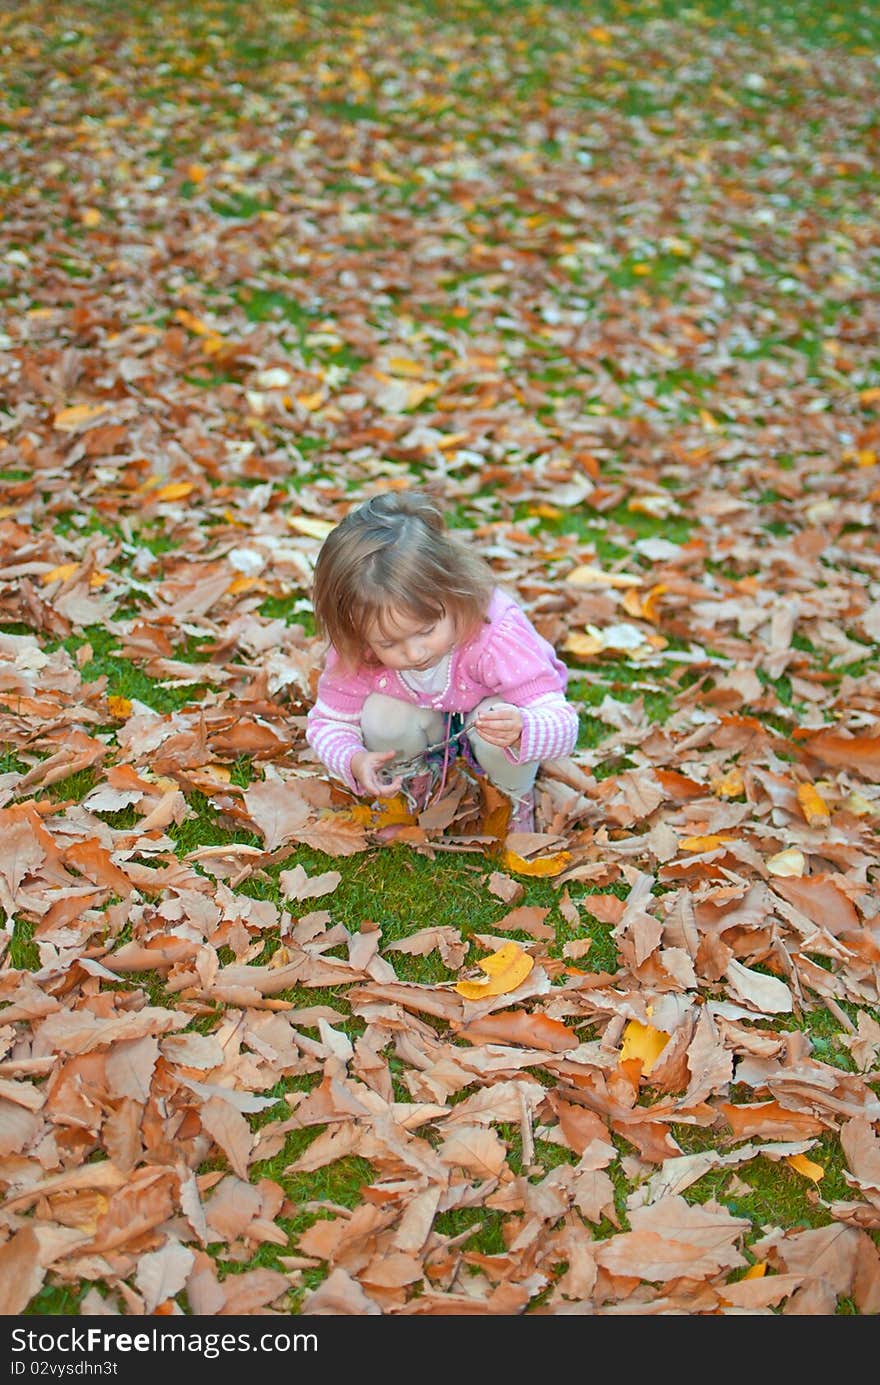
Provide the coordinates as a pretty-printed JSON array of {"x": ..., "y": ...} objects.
[{"x": 605, "y": 279}]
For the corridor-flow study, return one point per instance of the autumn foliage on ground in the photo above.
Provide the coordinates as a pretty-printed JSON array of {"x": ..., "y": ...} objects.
[{"x": 606, "y": 282}]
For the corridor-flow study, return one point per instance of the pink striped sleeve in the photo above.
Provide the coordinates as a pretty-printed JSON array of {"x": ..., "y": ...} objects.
[
  {"x": 333, "y": 724},
  {"x": 334, "y": 741},
  {"x": 550, "y": 729}
]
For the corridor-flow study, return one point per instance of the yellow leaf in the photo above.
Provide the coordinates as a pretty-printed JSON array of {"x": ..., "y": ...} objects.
[
  {"x": 650, "y": 605},
  {"x": 658, "y": 506},
  {"x": 175, "y": 490},
  {"x": 632, "y": 604},
  {"x": 98, "y": 579},
  {"x": 600, "y": 35},
  {"x": 313, "y": 528},
  {"x": 382, "y": 173},
  {"x": 90, "y": 216},
  {"x": 163, "y": 782},
  {"x": 710, "y": 843},
  {"x": 870, "y": 396},
  {"x": 587, "y": 575},
  {"x": 402, "y": 365},
  {"x": 311, "y": 401},
  {"x": 197, "y": 173},
  {"x": 60, "y": 574},
  {"x": 68, "y": 420},
  {"x": 866, "y": 456},
  {"x": 583, "y": 646},
  {"x": 420, "y": 391},
  {"x": 729, "y": 785},
  {"x": 221, "y": 773},
  {"x": 790, "y": 862},
  {"x": 541, "y": 865},
  {"x": 244, "y": 584},
  {"x": 451, "y": 439},
  {"x": 861, "y": 806},
  {"x": 801, "y": 1164},
  {"x": 193, "y": 323},
  {"x": 119, "y": 706},
  {"x": 813, "y": 805},
  {"x": 392, "y": 812},
  {"x": 505, "y": 970},
  {"x": 756, "y": 1271},
  {"x": 644, "y": 1042}
]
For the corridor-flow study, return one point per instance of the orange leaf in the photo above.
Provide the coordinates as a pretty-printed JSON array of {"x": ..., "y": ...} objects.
[
  {"x": 194, "y": 323},
  {"x": 244, "y": 584},
  {"x": 519, "y": 1027},
  {"x": 650, "y": 605},
  {"x": 813, "y": 805}
]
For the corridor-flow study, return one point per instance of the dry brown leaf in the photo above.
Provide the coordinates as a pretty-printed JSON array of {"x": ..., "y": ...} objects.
[
  {"x": 519, "y": 1027},
  {"x": 21, "y": 1271}
]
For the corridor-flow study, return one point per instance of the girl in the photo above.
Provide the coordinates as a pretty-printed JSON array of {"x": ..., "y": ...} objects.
[{"x": 426, "y": 654}]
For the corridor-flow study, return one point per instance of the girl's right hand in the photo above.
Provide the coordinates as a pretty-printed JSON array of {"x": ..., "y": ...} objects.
[{"x": 367, "y": 768}]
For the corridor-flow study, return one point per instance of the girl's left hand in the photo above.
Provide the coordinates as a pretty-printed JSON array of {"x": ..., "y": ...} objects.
[{"x": 500, "y": 725}]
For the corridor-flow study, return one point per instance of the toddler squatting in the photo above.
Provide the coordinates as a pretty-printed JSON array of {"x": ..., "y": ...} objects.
[{"x": 427, "y": 658}]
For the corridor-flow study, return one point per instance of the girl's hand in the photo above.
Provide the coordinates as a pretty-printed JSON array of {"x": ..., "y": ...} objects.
[
  {"x": 367, "y": 768},
  {"x": 500, "y": 725}
]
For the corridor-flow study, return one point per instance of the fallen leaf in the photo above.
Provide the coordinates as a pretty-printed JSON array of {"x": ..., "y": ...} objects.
[
  {"x": 813, "y": 805},
  {"x": 789, "y": 862},
  {"x": 505, "y": 970},
  {"x": 801, "y": 1164},
  {"x": 644, "y": 1043},
  {"x": 69, "y": 420},
  {"x": 537, "y": 865},
  {"x": 520, "y": 1027}
]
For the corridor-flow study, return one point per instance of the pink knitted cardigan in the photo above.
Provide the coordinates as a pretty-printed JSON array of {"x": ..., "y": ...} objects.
[{"x": 507, "y": 659}]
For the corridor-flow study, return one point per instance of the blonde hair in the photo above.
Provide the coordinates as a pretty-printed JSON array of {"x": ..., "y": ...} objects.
[{"x": 392, "y": 555}]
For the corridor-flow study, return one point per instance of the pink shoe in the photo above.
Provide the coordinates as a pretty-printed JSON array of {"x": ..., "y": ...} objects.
[{"x": 522, "y": 813}]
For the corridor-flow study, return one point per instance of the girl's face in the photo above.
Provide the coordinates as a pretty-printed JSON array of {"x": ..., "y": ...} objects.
[{"x": 405, "y": 642}]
